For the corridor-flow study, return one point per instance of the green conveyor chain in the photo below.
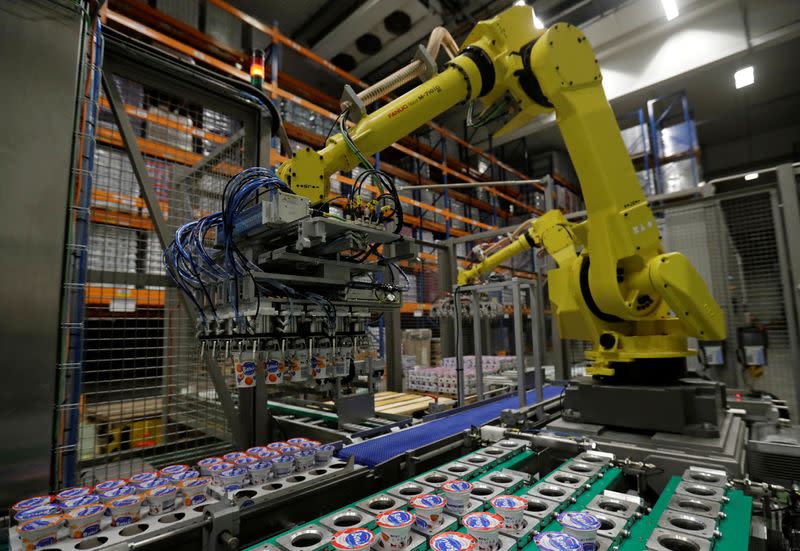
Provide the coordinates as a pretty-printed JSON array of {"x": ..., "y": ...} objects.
[{"x": 735, "y": 528}]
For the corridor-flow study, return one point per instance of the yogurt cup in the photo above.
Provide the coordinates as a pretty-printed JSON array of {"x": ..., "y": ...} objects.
[
  {"x": 304, "y": 459},
  {"x": 40, "y": 532},
  {"x": 194, "y": 490},
  {"x": 215, "y": 470},
  {"x": 233, "y": 456},
  {"x": 37, "y": 512},
  {"x": 512, "y": 509},
  {"x": 395, "y": 528},
  {"x": 185, "y": 475},
  {"x": 268, "y": 455},
  {"x": 453, "y": 541},
  {"x": 144, "y": 486},
  {"x": 85, "y": 521},
  {"x": 457, "y": 493},
  {"x": 485, "y": 528},
  {"x": 283, "y": 465},
  {"x": 324, "y": 454},
  {"x": 352, "y": 539},
  {"x": 233, "y": 479},
  {"x": 288, "y": 450},
  {"x": 246, "y": 461},
  {"x": 170, "y": 470},
  {"x": 254, "y": 451},
  {"x": 260, "y": 471},
  {"x": 31, "y": 503},
  {"x": 161, "y": 499},
  {"x": 428, "y": 509},
  {"x": 122, "y": 491},
  {"x": 75, "y": 502},
  {"x": 142, "y": 477},
  {"x": 276, "y": 445},
  {"x": 125, "y": 510},
  {"x": 205, "y": 464},
  {"x": 556, "y": 541},
  {"x": 308, "y": 445},
  {"x": 581, "y": 525},
  {"x": 296, "y": 441},
  {"x": 72, "y": 493},
  {"x": 109, "y": 485}
]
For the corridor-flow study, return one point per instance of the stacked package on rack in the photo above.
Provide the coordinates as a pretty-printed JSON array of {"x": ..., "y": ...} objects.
[{"x": 443, "y": 379}]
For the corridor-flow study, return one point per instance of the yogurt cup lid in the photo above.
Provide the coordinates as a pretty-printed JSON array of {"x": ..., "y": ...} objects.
[
  {"x": 483, "y": 521},
  {"x": 352, "y": 538},
  {"x": 297, "y": 440},
  {"x": 283, "y": 459},
  {"x": 309, "y": 445},
  {"x": 428, "y": 501},
  {"x": 234, "y": 472},
  {"x": 327, "y": 447},
  {"x": 86, "y": 511},
  {"x": 268, "y": 454},
  {"x": 456, "y": 486},
  {"x": 257, "y": 450},
  {"x": 184, "y": 475},
  {"x": 71, "y": 493},
  {"x": 194, "y": 482},
  {"x": 80, "y": 501},
  {"x": 306, "y": 453},
  {"x": 452, "y": 541},
  {"x": 40, "y": 523},
  {"x": 288, "y": 450},
  {"x": 260, "y": 465},
  {"x": 32, "y": 502},
  {"x": 141, "y": 477},
  {"x": 275, "y": 445},
  {"x": 118, "y": 492},
  {"x": 173, "y": 469},
  {"x": 556, "y": 541},
  {"x": 209, "y": 461},
  {"x": 579, "y": 520},
  {"x": 223, "y": 466},
  {"x": 162, "y": 490},
  {"x": 233, "y": 456},
  {"x": 395, "y": 519},
  {"x": 110, "y": 485},
  {"x": 509, "y": 502},
  {"x": 37, "y": 512},
  {"x": 153, "y": 483},
  {"x": 246, "y": 461},
  {"x": 126, "y": 501}
]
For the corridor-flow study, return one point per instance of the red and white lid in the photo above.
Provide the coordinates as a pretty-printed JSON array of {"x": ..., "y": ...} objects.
[
  {"x": 481, "y": 521},
  {"x": 351, "y": 539},
  {"x": 395, "y": 519},
  {"x": 457, "y": 486},
  {"x": 428, "y": 501},
  {"x": 453, "y": 541},
  {"x": 509, "y": 503}
]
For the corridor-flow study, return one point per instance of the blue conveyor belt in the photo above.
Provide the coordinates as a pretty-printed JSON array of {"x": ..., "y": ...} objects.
[{"x": 383, "y": 448}]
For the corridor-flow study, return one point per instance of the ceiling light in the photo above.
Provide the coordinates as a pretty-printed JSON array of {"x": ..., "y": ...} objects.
[
  {"x": 519, "y": 3},
  {"x": 751, "y": 176},
  {"x": 537, "y": 23},
  {"x": 744, "y": 77},
  {"x": 670, "y": 9}
]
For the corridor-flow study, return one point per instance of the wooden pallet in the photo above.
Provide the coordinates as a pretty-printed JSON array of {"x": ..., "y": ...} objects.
[{"x": 401, "y": 403}]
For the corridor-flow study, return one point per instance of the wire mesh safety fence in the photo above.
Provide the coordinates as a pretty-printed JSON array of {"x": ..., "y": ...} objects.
[{"x": 145, "y": 397}]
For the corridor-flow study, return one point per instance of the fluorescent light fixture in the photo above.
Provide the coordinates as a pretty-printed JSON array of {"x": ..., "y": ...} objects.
[
  {"x": 670, "y": 9},
  {"x": 751, "y": 176},
  {"x": 744, "y": 77}
]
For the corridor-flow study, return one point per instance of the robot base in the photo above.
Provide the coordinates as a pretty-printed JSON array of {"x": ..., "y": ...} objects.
[{"x": 690, "y": 407}]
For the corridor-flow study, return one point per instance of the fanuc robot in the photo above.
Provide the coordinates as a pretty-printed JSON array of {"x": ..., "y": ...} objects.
[{"x": 614, "y": 286}]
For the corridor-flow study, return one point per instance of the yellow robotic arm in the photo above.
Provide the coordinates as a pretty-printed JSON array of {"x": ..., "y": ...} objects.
[{"x": 614, "y": 285}]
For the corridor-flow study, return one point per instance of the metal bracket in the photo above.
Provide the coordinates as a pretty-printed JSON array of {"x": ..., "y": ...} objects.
[
  {"x": 431, "y": 69},
  {"x": 222, "y": 531},
  {"x": 352, "y": 103}
]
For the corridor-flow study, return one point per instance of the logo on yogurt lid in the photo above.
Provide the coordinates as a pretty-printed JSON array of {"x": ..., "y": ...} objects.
[
  {"x": 40, "y": 523},
  {"x": 32, "y": 502},
  {"x": 395, "y": 519},
  {"x": 276, "y": 445},
  {"x": 193, "y": 482},
  {"x": 184, "y": 475},
  {"x": 452, "y": 541},
  {"x": 456, "y": 486},
  {"x": 110, "y": 485},
  {"x": 283, "y": 459},
  {"x": 306, "y": 453},
  {"x": 483, "y": 521},
  {"x": 234, "y": 472},
  {"x": 209, "y": 461},
  {"x": 557, "y": 541},
  {"x": 142, "y": 477},
  {"x": 174, "y": 469},
  {"x": 352, "y": 538},
  {"x": 509, "y": 502},
  {"x": 246, "y": 461},
  {"x": 223, "y": 466},
  {"x": 153, "y": 483},
  {"x": 428, "y": 501},
  {"x": 328, "y": 448},
  {"x": 36, "y": 512},
  {"x": 87, "y": 511},
  {"x": 257, "y": 450},
  {"x": 579, "y": 520},
  {"x": 296, "y": 440},
  {"x": 309, "y": 444},
  {"x": 118, "y": 492},
  {"x": 268, "y": 454},
  {"x": 73, "y": 492},
  {"x": 162, "y": 490},
  {"x": 233, "y": 456},
  {"x": 260, "y": 465},
  {"x": 80, "y": 501},
  {"x": 126, "y": 501}
]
